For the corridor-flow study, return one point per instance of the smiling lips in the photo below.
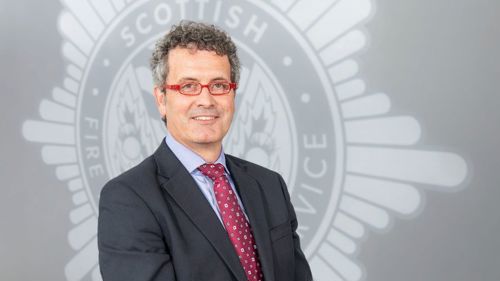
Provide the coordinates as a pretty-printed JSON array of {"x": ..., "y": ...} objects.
[{"x": 204, "y": 118}]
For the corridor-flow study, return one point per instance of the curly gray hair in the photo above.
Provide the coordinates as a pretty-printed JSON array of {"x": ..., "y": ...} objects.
[{"x": 201, "y": 36}]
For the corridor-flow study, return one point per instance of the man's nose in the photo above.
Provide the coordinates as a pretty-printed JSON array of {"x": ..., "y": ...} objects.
[{"x": 205, "y": 98}]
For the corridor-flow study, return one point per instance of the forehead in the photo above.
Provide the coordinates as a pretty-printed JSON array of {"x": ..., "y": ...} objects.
[{"x": 198, "y": 64}]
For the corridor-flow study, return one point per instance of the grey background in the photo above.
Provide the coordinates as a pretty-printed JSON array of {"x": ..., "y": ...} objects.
[{"x": 438, "y": 61}]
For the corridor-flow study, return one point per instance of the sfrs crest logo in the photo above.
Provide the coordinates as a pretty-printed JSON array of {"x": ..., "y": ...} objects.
[{"x": 301, "y": 110}]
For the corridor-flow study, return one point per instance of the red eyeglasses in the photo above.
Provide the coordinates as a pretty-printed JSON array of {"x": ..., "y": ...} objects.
[{"x": 193, "y": 88}]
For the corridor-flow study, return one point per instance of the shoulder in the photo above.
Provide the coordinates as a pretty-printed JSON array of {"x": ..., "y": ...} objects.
[
  {"x": 272, "y": 187},
  {"x": 136, "y": 180},
  {"x": 145, "y": 169},
  {"x": 264, "y": 176}
]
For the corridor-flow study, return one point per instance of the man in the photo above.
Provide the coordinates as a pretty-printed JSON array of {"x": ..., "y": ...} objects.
[{"x": 190, "y": 212}]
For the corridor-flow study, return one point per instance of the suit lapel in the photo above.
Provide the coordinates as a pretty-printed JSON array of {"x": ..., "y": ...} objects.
[
  {"x": 180, "y": 185},
  {"x": 252, "y": 200}
]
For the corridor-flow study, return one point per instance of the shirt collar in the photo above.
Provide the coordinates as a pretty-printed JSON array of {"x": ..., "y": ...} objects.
[{"x": 190, "y": 159}]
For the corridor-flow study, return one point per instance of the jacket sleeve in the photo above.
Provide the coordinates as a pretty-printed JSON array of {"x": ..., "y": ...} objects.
[
  {"x": 130, "y": 240},
  {"x": 302, "y": 269}
]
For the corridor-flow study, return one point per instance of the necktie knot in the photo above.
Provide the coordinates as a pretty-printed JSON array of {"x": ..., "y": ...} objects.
[{"x": 213, "y": 171}]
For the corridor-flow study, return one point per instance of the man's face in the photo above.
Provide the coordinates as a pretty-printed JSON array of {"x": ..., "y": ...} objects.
[{"x": 197, "y": 121}]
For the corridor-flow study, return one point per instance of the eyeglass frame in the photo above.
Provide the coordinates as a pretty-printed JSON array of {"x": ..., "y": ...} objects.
[{"x": 177, "y": 87}]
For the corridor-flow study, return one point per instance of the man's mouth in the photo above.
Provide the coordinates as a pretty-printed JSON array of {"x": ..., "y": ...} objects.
[{"x": 204, "y": 118}]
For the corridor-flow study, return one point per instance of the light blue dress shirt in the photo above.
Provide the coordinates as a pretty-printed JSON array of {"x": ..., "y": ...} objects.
[{"x": 191, "y": 161}]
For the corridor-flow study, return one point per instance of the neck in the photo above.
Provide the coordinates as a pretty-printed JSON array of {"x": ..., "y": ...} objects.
[{"x": 209, "y": 152}]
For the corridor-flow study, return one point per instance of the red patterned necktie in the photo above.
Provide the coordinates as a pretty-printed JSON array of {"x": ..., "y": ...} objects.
[{"x": 235, "y": 222}]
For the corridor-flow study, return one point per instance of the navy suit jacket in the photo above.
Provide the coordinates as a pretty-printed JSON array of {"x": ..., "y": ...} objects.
[{"x": 155, "y": 224}]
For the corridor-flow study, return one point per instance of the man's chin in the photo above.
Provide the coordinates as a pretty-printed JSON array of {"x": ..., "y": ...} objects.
[
  {"x": 208, "y": 137},
  {"x": 208, "y": 142}
]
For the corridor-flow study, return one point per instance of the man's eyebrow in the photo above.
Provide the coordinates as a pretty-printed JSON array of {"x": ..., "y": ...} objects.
[
  {"x": 183, "y": 79},
  {"x": 188, "y": 79},
  {"x": 219, "y": 78}
]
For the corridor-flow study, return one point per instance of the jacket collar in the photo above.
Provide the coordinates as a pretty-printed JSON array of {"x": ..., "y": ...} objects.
[{"x": 252, "y": 198}]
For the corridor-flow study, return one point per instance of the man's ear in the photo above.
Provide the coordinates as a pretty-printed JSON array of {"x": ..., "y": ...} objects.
[{"x": 160, "y": 99}]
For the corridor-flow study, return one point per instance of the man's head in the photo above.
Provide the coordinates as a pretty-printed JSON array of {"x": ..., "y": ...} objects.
[
  {"x": 194, "y": 35},
  {"x": 195, "y": 53}
]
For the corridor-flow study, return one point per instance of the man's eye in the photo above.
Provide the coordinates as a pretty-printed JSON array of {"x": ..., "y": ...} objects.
[
  {"x": 220, "y": 86},
  {"x": 188, "y": 86}
]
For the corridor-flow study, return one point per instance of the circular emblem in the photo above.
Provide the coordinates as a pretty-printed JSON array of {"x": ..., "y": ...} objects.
[{"x": 118, "y": 124}]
